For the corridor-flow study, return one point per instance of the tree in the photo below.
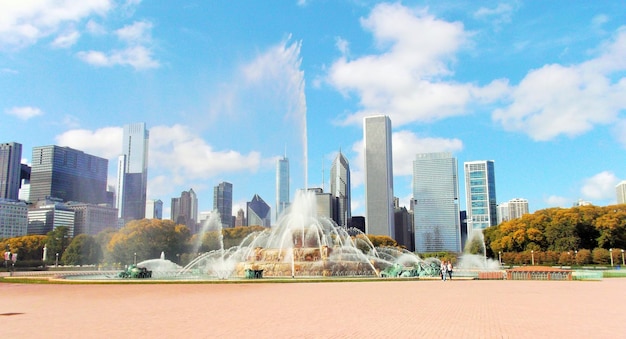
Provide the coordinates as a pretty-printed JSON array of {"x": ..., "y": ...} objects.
[
  {"x": 600, "y": 256},
  {"x": 28, "y": 247},
  {"x": 83, "y": 250},
  {"x": 57, "y": 240},
  {"x": 146, "y": 239}
]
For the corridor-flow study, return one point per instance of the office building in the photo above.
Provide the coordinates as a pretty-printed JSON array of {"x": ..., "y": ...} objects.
[
  {"x": 13, "y": 218},
  {"x": 154, "y": 209},
  {"x": 620, "y": 190},
  {"x": 436, "y": 203},
  {"x": 340, "y": 189},
  {"x": 132, "y": 173},
  {"x": 512, "y": 209},
  {"x": 480, "y": 194},
  {"x": 92, "y": 219},
  {"x": 10, "y": 170},
  {"x": 223, "y": 203},
  {"x": 379, "y": 214},
  {"x": 240, "y": 219},
  {"x": 184, "y": 210},
  {"x": 282, "y": 185},
  {"x": 67, "y": 174},
  {"x": 48, "y": 216},
  {"x": 259, "y": 212}
]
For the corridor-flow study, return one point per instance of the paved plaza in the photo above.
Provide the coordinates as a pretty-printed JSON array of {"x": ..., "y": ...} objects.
[{"x": 372, "y": 309}]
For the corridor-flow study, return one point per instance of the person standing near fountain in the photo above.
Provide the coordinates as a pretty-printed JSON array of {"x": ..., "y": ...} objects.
[
  {"x": 449, "y": 269},
  {"x": 444, "y": 270}
]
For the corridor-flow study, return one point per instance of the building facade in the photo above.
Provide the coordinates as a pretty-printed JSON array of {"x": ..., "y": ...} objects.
[
  {"x": 480, "y": 194},
  {"x": 67, "y": 174},
  {"x": 379, "y": 215},
  {"x": 48, "y": 217},
  {"x": 223, "y": 203},
  {"x": 92, "y": 219},
  {"x": 184, "y": 210},
  {"x": 282, "y": 185},
  {"x": 10, "y": 170},
  {"x": 436, "y": 203},
  {"x": 512, "y": 209},
  {"x": 259, "y": 212},
  {"x": 13, "y": 218},
  {"x": 132, "y": 173},
  {"x": 620, "y": 191},
  {"x": 154, "y": 209},
  {"x": 340, "y": 190}
]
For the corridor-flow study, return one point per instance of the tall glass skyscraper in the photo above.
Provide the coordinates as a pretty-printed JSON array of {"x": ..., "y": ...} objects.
[
  {"x": 436, "y": 203},
  {"x": 480, "y": 194},
  {"x": 379, "y": 214},
  {"x": 282, "y": 185},
  {"x": 67, "y": 174},
  {"x": 223, "y": 202},
  {"x": 340, "y": 189},
  {"x": 132, "y": 173},
  {"x": 10, "y": 167},
  {"x": 258, "y": 212}
]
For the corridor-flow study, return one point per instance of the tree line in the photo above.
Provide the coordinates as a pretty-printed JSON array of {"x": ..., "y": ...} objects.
[{"x": 577, "y": 235}]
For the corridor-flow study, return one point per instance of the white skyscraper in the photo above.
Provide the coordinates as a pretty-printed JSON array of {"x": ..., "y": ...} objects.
[
  {"x": 436, "y": 203},
  {"x": 379, "y": 214},
  {"x": 620, "y": 189}
]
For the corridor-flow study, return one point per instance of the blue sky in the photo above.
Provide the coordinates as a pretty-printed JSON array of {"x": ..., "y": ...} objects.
[{"x": 228, "y": 87}]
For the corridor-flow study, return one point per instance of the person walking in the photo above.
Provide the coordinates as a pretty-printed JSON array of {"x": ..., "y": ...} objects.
[
  {"x": 449, "y": 269},
  {"x": 444, "y": 270}
]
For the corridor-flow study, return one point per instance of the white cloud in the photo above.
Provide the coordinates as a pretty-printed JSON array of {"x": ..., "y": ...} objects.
[
  {"x": 558, "y": 201},
  {"x": 179, "y": 152},
  {"x": 406, "y": 80},
  {"x": 600, "y": 187},
  {"x": 569, "y": 100},
  {"x": 138, "y": 32},
  {"x": 104, "y": 142},
  {"x": 342, "y": 45},
  {"x": 138, "y": 57},
  {"x": 499, "y": 15},
  {"x": 66, "y": 40},
  {"x": 23, "y": 23},
  {"x": 95, "y": 28},
  {"x": 25, "y": 112}
]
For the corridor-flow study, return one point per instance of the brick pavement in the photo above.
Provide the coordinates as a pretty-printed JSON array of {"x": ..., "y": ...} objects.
[{"x": 380, "y": 309}]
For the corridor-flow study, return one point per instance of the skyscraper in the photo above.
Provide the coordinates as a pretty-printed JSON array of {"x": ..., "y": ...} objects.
[
  {"x": 620, "y": 190},
  {"x": 67, "y": 174},
  {"x": 378, "y": 176},
  {"x": 154, "y": 209},
  {"x": 512, "y": 209},
  {"x": 436, "y": 203},
  {"x": 132, "y": 173},
  {"x": 282, "y": 185},
  {"x": 185, "y": 210},
  {"x": 340, "y": 189},
  {"x": 480, "y": 194},
  {"x": 223, "y": 202},
  {"x": 10, "y": 167},
  {"x": 258, "y": 212}
]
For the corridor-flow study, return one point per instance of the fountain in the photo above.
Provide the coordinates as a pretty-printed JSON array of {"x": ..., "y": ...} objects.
[
  {"x": 301, "y": 244},
  {"x": 474, "y": 262}
]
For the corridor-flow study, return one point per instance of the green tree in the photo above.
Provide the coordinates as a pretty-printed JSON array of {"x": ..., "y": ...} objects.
[
  {"x": 146, "y": 239},
  {"x": 28, "y": 247},
  {"x": 83, "y": 250},
  {"x": 57, "y": 241}
]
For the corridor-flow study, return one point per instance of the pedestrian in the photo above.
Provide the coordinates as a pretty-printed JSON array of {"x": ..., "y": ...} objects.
[
  {"x": 449, "y": 269},
  {"x": 444, "y": 269}
]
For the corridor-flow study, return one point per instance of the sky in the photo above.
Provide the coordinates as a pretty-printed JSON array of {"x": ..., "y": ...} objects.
[{"x": 228, "y": 87}]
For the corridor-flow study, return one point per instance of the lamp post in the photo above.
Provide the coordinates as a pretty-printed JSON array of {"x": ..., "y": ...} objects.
[
  {"x": 623, "y": 264},
  {"x": 500, "y": 257},
  {"x": 135, "y": 259},
  {"x": 611, "y": 255},
  {"x": 532, "y": 256},
  {"x": 56, "y": 261},
  {"x": 569, "y": 257}
]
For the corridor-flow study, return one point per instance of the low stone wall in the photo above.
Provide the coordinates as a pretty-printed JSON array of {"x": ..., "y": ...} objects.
[{"x": 538, "y": 273}]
